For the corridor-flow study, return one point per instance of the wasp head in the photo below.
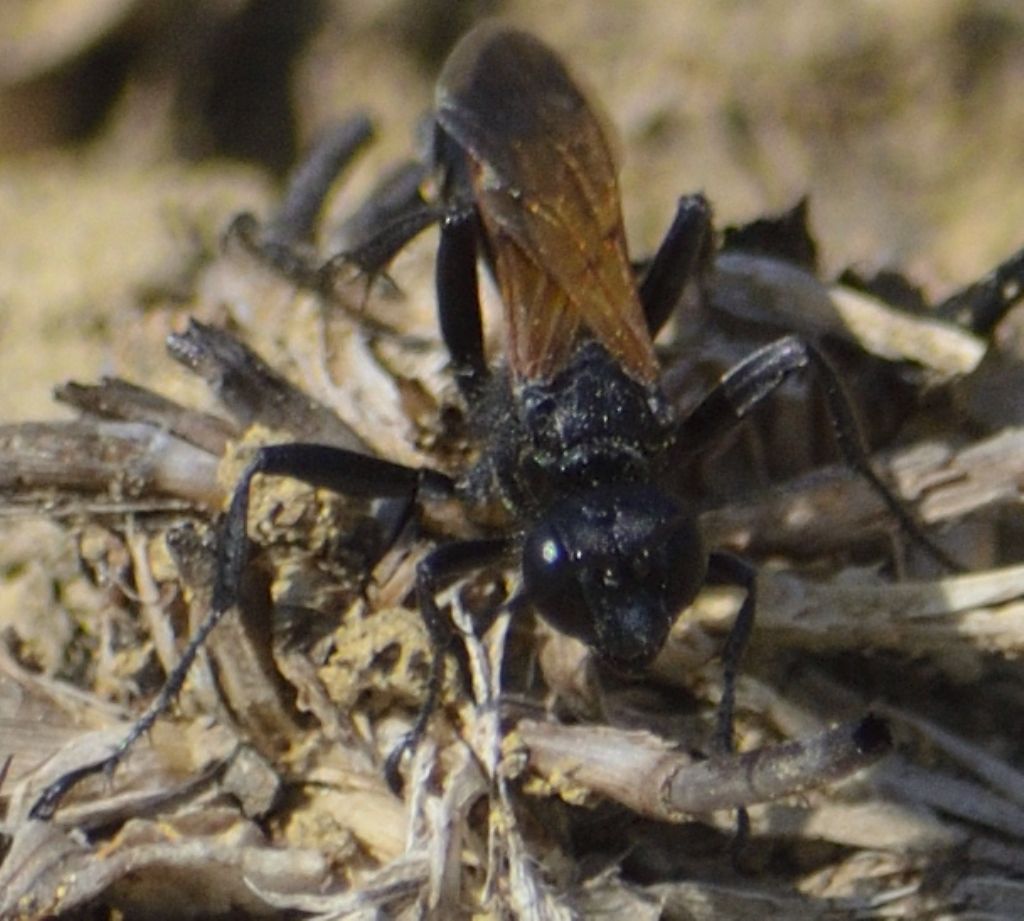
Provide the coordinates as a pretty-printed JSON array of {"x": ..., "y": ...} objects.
[{"x": 613, "y": 567}]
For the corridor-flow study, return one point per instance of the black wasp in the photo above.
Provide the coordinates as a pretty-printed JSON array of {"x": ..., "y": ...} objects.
[{"x": 581, "y": 444}]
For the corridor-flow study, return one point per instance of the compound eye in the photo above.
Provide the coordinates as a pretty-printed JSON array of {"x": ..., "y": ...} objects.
[{"x": 552, "y": 579}]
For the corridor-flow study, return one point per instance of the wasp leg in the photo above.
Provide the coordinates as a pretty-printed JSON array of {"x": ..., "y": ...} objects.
[
  {"x": 439, "y": 567},
  {"x": 682, "y": 256},
  {"x": 458, "y": 302},
  {"x": 392, "y": 215},
  {"x": 312, "y": 179},
  {"x": 759, "y": 375},
  {"x": 278, "y": 242},
  {"x": 979, "y": 307},
  {"x": 727, "y": 569},
  {"x": 323, "y": 466}
]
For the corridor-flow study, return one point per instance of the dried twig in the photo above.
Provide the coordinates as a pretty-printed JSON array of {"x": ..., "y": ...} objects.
[{"x": 650, "y": 776}]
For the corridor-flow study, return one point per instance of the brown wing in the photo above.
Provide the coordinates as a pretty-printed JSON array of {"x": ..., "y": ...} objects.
[{"x": 544, "y": 183}]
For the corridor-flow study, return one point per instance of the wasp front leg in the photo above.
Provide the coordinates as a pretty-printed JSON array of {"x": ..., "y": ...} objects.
[
  {"x": 682, "y": 257},
  {"x": 982, "y": 305},
  {"x": 322, "y": 466},
  {"x": 747, "y": 385},
  {"x": 439, "y": 567}
]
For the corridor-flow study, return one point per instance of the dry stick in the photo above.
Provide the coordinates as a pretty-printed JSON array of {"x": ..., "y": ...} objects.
[
  {"x": 119, "y": 400},
  {"x": 121, "y": 461},
  {"x": 649, "y": 776},
  {"x": 833, "y": 505}
]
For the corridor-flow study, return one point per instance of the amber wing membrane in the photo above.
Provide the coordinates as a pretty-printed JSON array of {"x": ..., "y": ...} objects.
[{"x": 544, "y": 183}]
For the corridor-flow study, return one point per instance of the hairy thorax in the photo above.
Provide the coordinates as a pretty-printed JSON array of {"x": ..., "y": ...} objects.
[{"x": 590, "y": 425}]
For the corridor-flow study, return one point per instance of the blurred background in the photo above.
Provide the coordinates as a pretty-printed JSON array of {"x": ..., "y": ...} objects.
[{"x": 131, "y": 132}]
